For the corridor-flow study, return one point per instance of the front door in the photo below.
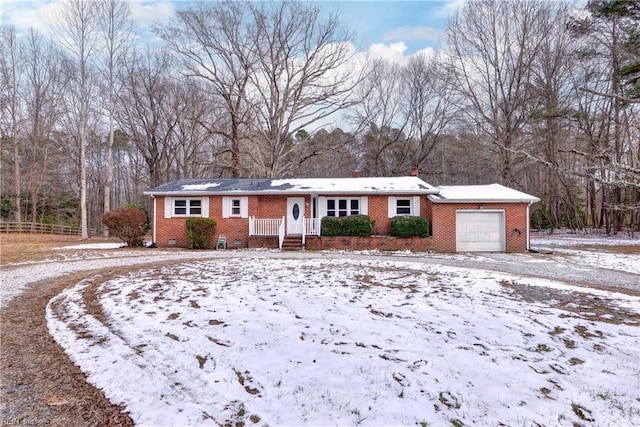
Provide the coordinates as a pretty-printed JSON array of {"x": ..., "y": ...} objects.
[{"x": 295, "y": 214}]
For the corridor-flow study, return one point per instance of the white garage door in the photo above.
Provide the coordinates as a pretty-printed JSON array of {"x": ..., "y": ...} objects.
[{"x": 480, "y": 231}]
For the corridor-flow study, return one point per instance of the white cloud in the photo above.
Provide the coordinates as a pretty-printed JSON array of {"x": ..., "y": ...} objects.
[
  {"x": 26, "y": 15},
  {"x": 394, "y": 52},
  {"x": 449, "y": 8},
  {"x": 412, "y": 33},
  {"x": 146, "y": 13}
]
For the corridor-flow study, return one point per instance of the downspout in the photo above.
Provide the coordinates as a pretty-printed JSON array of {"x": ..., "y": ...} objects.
[
  {"x": 528, "y": 233},
  {"x": 155, "y": 219}
]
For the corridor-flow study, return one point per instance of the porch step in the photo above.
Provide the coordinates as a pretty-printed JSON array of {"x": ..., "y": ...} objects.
[{"x": 292, "y": 243}]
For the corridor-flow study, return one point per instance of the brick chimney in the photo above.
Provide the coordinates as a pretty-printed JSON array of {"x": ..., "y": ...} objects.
[
  {"x": 415, "y": 171},
  {"x": 356, "y": 174}
]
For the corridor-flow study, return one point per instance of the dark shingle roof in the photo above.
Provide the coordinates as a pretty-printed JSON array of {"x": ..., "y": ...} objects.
[{"x": 390, "y": 185}]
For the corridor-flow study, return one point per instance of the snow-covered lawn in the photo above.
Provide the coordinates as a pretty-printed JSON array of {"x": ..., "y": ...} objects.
[{"x": 324, "y": 341}]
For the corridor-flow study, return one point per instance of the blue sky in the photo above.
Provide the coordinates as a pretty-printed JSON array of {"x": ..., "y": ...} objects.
[{"x": 392, "y": 29}]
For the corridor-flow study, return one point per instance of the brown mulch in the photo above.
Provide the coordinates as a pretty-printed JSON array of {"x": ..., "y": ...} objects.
[{"x": 40, "y": 385}]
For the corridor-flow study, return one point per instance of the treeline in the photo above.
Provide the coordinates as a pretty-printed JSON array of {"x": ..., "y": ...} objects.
[{"x": 537, "y": 95}]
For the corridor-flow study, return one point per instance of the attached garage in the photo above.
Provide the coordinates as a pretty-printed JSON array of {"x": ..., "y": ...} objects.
[
  {"x": 480, "y": 231},
  {"x": 480, "y": 218}
]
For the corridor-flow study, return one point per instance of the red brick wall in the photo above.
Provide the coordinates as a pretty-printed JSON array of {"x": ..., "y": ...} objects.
[
  {"x": 383, "y": 243},
  {"x": 441, "y": 217},
  {"x": 443, "y": 223},
  {"x": 236, "y": 229}
]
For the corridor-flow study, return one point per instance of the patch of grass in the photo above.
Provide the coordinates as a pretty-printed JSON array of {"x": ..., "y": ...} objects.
[
  {"x": 456, "y": 422},
  {"x": 173, "y": 337},
  {"x": 542, "y": 348},
  {"x": 569, "y": 343},
  {"x": 575, "y": 361},
  {"x": 546, "y": 393},
  {"x": 557, "y": 331},
  {"x": 449, "y": 400},
  {"x": 254, "y": 419},
  {"x": 558, "y": 368},
  {"x": 26, "y": 247},
  {"x": 584, "y": 332},
  {"x": 201, "y": 360},
  {"x": 583, "y": 413}
]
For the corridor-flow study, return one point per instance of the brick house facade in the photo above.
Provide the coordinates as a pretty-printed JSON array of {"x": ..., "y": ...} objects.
[{"x": 248, "y": 212}]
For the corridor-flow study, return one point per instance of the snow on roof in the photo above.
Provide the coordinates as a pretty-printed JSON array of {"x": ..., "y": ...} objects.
[
  {"x": 480, "y": 193},
  {"x": 200, "y": 187},
  {"x": 362, "y": 185}
]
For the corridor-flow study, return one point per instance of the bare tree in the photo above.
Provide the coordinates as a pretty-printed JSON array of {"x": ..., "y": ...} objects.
[
  {"x": 44, "y": 86},
  {"x": 428, "y": 105},
  {"x": 381, "y": 120},
  {"x": 493, "y": 45},
  {"x": 116, "y": 30},
  {"x": 305, "y": 73},
  {"x": 75, "y": 27},
  {"x": 551, "y": 129},
  {"x": 215, "y": 43},
  {"x": 146, "y": 112},
  {"x": 10, "y": 81}
]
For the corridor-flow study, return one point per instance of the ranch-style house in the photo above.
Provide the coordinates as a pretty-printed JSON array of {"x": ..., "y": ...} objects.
[{"x": 287, "y": 213}]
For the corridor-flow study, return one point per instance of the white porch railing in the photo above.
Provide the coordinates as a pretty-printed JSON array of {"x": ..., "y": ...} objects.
[
  {"x": 311, "y": 228},
  {"x": 281, "y": 234},
  {"x": 265, "y": 226},
  {"x": 276, "y": 227}
]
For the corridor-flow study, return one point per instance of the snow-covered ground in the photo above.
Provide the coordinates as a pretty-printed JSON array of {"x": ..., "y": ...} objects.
[{"x": 338, "y": 339}]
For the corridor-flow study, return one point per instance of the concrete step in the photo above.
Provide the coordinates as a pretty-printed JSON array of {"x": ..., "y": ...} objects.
[{"x": 292, "y": 243}]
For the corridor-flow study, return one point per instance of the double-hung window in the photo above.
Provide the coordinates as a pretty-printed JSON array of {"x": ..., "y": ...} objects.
[
  {"x": 235, "y": 207},
  {"x": 187, "y": 207},
  {"x": 343, "y": 207},
  {"x": 404, "y": 206}
]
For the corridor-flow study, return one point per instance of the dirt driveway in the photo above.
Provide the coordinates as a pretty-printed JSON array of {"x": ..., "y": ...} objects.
[{"x": 40, "y": 386}]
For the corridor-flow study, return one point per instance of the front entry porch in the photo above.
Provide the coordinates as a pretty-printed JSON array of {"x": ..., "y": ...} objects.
[{"x": 277, "y": 228}]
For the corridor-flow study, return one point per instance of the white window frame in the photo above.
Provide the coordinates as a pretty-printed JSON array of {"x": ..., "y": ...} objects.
[
  {"x": 238, "y": 204},
  {"x": 414, "y": 206},
  {"x": 347, "y": 210},
  {"x": 171, "y": 202},
  {"x": 323, "y": 205}
]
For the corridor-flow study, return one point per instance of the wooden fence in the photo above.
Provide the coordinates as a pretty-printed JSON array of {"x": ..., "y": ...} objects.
[{"x": 36, "y": 228}]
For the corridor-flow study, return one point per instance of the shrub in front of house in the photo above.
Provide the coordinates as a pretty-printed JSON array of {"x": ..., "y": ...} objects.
[
  {"x": 409, "y": 226},
  {"x": 352, "y": 225},
  {"x": 200, "y": 232},
  {"x": 331, "y": 226},
  {"x": 144, "y": 209},
  {"x": 357, "y": 225},
  {"x": 127, "y": 223}
]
